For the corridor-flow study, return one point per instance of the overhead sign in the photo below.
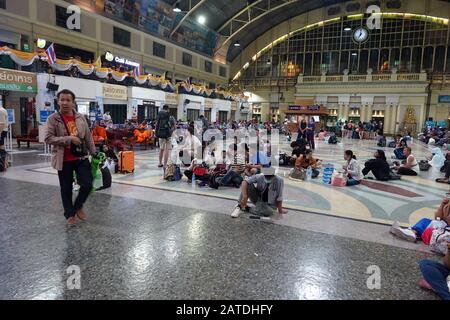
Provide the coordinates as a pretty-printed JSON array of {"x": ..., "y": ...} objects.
[
  {"x": 12, "y": 80},
  {"x": 115, "y": 92},
  {"x": 126, "y": 62},
  {"x": 11, "y": 116},
  {"x": 171, "y": 98},
  {"x": 301, "y": 108},
  {"x": 444, "y": 99}
]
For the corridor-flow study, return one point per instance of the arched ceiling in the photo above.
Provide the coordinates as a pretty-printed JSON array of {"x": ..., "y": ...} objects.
[
  {"x": 231, "y": 17},
  {"x": 246, "y": 20}
]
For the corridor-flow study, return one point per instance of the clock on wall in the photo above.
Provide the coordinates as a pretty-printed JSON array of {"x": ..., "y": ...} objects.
[{"x": 360, "y": 35}]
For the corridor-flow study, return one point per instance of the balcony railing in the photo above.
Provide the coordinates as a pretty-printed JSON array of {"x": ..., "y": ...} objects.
[{"x": 401, "y": 77}]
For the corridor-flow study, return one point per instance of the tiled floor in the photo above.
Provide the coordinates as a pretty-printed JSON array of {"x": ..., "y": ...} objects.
[
  {"x": 150, "y": 239},
  {"x": 407, "y": 200}
]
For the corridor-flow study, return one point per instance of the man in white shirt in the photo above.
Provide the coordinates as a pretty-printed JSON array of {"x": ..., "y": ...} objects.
[{"x": 3, "y": 126}]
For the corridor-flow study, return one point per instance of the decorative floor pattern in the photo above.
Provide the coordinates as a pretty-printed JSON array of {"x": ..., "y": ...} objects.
[{"x": 406, "y": 200}]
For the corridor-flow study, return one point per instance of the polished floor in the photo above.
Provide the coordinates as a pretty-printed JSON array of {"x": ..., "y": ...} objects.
[{"x": 147, "y": 239}]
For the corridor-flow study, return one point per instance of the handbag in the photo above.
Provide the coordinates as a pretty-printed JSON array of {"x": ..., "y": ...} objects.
[
  {"x": 339, "y": 180},
  {"x": 439, "y": 240},
  {"x": 80, "y": 150},
  {"x": 297, "y": 174}
]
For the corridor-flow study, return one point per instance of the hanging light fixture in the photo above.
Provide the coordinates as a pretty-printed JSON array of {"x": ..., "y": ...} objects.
[
  {"x": 269, "y": 62},
  {"x": 177, "y": 8}
]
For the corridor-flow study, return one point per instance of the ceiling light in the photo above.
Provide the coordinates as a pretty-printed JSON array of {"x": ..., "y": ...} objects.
[
  {"x": 201, "y": 19},
  {"x": 347, "y": 29},
  {"x": 41, "y": 43},
  {"x": 109, "y": 56},
  {"x": 268, "y": 62},
  {"x": 354, "y": 54},
  {"x": 237, "y": 44},
  {"x": 177, "y": 8}
]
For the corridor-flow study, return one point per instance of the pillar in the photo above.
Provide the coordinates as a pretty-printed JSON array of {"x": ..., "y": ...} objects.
[
  {"x": 369, "y": 111},
  {"x": 346, "y": 111},
  {"x": 362, "y": 113},
  {"x": 387, "y": 120},
  {"x": 341, "y": 112}
]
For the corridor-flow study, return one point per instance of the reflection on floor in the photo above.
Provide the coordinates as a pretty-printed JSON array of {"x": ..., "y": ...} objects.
[{"x": 406, "y": 200}]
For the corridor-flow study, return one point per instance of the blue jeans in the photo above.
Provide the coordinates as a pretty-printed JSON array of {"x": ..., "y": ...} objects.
[
  {"x": 231, "y": 178},
  {"x": 436, "y": 275},
  {"x": 352, "y": 182}
]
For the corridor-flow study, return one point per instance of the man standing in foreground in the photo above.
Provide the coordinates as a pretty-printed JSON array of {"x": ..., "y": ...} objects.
[{"x": 67, "y": 132}]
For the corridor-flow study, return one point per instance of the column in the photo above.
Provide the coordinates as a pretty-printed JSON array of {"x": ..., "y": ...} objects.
[
  {"x": 362, "y": 113},
  {"x": 369, "y": 112},
  {"x": 387, "y": 120},
  {"x": 341, "y": 111},
  {"x": 346, "y": 111},
  {"x": 396, "y": 116}
]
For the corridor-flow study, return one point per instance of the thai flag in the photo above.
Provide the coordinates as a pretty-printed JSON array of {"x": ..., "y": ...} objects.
[
  {"x": 137, "y": 72},
  {"x": 51, "y": 55}
]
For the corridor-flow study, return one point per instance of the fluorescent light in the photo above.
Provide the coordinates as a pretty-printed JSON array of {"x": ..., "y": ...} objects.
[
  {"x": 354, "y": 54},
  {"x": 237, "y": 44},
  {"x": 201, "y": 19},
  {"x": 268, "y": 62},
  {"x": 347, "y": 29}
]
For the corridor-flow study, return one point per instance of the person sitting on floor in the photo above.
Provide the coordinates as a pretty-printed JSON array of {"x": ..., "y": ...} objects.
[
  {"x": 418, "y": 231},
  {"x": 435, "y": 275},
  {"x": 378, "y": 166},
  {"x": 200, "y": 171},
  {"x": 352, "y": 169},
  {"x": 299, "y": 148},
  {"x": 307, "y": 161},
  {"x": 236, "y": 169},
  {"x": 99, "y": 133},
  {"x": 266, "y": 189},
  {"x": 401, "y": 144},
  {"x": 410, "y": 167}
]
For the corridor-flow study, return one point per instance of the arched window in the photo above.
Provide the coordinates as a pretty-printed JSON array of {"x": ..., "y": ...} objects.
[
  {"x": 344, "y": 61},
  {"x": 373, "y": 61},
  {"x": 395, "y": 58},
  {"x": 439, "y": 58},
  {"x": 416, "y": 60},
  {"x": 308, "y": 64},
  {"x": 405, "y": 65},
  {"x": 363, "y": 61},
  {"x": 428, "y": 58}
]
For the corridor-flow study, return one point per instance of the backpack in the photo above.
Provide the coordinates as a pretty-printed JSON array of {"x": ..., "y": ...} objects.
[
  {"x": 3, "y": 160},
  {"x": 163, "y": 126},
  {"x": 333, "y": 140},
  {"x": 439, "y": 240},
  {"x": 392, "y": 144},
  {"x": 424, "y": 165},
  {"x": 382, "y": 142},
  {"x": 172, "y": 173}
]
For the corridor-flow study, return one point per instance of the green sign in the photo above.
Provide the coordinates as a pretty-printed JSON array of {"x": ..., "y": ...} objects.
[{"x": 18, "y": 87}]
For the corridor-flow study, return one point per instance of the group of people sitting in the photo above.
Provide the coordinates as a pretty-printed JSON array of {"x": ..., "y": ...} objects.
[{"x": 360, "y": 130}]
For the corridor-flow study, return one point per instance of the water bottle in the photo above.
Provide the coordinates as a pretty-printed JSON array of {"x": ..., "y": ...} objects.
[
  {"x": 309, "y": 173},
  {"x": 193, "y": 180}
]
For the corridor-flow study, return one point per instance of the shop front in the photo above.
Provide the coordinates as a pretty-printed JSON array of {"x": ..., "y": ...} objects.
[
  {"x": 115, "y": 101},
  {"x": 18, "y": 91},
  {"x": 296, "y": 113},
  {"x": 171, "y": 99}
]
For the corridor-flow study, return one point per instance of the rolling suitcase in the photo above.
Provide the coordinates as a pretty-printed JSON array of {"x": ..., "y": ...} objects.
[{"x": 126, "y": 161}]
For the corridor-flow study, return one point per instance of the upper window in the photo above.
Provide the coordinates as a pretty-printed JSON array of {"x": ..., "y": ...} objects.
[
  {"x": 187, "y": 59},
  {"x": 2, "y": 4},
  {"x": 222, "y": 71},
  {"x": 159, "y": 50},
  {"x": 62, "y": 16},
  {"x": 208, "y": 66},
  {"x": 122, "y": 37}
]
